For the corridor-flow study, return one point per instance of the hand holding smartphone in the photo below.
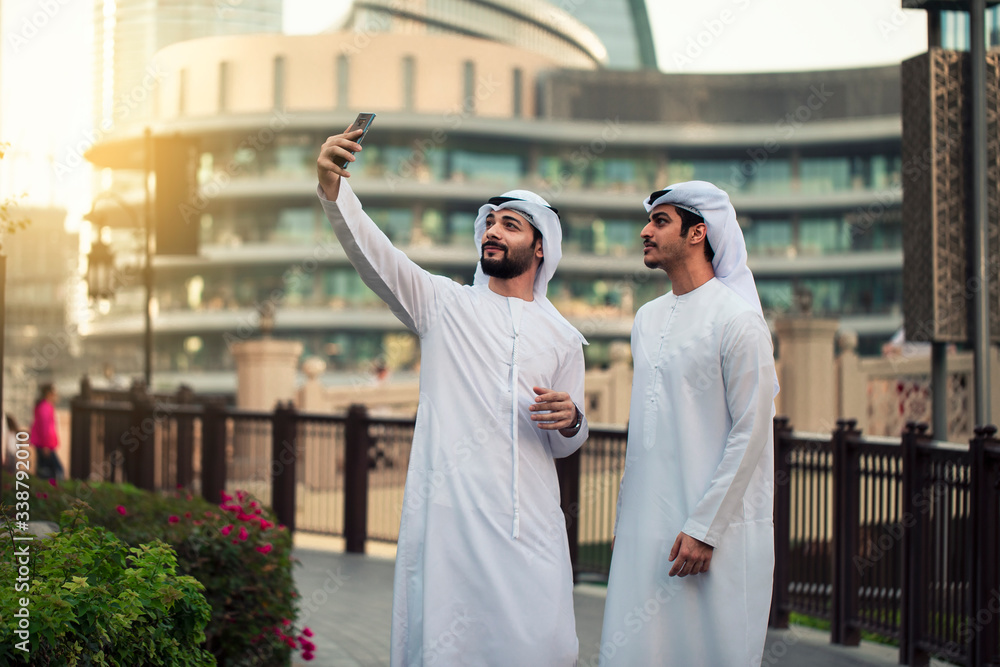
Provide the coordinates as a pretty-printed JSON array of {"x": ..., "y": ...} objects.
[{"x": 362, "y": 122}]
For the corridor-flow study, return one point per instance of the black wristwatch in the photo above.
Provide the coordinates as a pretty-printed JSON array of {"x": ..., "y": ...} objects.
[{"x": 579, "y": 420}]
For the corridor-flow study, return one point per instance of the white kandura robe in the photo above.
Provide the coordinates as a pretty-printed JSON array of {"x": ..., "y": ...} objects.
[
  {"x": 483, "y": 574},
  {"x": 699, "y": 461}
]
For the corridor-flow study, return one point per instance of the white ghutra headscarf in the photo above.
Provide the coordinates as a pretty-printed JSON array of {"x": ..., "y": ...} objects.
[
  {"x": 724, "y": 233},
  {"x": 545, "y": 219}
]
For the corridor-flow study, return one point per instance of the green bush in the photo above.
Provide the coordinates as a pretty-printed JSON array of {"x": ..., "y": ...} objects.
[
  {"x": 235, "y": 550},
  {"x": 93, "y": 600}
]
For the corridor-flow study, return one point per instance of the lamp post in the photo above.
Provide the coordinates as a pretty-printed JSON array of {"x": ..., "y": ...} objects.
[{"x": 100, "y": 273}]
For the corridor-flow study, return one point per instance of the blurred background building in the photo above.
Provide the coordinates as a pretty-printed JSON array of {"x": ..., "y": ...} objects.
[
  {"x": 472, "y": 100},
  {"x": 43, "y": 295}
]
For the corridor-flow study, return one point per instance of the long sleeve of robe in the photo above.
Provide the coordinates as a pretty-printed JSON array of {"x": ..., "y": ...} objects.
[
  {"x": 699, "y": 461},
  {"x": 483, "y": 575}
]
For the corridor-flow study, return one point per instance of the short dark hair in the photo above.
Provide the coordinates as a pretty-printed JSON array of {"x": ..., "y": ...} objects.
[{"x": 689, "y": 220}]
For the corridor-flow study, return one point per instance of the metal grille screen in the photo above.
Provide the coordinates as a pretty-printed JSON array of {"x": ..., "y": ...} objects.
[{"x": 937, "y": 286}]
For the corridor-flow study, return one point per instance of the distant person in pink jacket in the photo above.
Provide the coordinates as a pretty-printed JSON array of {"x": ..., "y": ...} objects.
[{"x": 45, "y": 434}]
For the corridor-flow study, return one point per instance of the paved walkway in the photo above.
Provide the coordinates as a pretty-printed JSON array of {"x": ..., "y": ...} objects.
[{"x": 347, "y": 602}]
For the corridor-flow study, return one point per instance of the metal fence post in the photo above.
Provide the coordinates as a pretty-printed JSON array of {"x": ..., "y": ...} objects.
[
  {"x": 568, "y": 472},
  {"x": 185, "y": 439},
  {"x": 80, "y": 435},
  {"x": 356, "y": 443},
  {"x": 283, "y": 464},
  {"x": 982, "y": 549},
  {"x": 782, "y": 523},
  {"x": 213, "y": 453},
  {"x": 140, "y": 456},
  {"x": 912, "y": 597},
  {"x": 846, "y": 473}
]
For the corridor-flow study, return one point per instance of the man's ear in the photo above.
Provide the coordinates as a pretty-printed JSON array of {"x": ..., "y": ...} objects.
[
  {"x": 538, "y": 249},
  {"x": 698, "y": 233}
]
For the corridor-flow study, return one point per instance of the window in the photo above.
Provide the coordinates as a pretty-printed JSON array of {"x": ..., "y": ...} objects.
[
  {"x": 824, "y": 236},
  {"x": 181, "y": 88},
  {"x": 343, "y": 80},
  {"x": 279, "y": 82},
  {"x": 469, "y": 87},
  {"x": 518, "y": 86},
  {"x": 409, "y": 73},
  {"x": 486, "y": 168},
  {"x": 825, "y": 174},
  {"x": 767, "y": 237},
  {"x": 295, "y": 225},
  {"x": 223, "y": 86}
]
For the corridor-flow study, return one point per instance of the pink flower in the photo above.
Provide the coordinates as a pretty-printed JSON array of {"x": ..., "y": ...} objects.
[
  {"x": 265, "y": 524},
  {"x": 228, "y": 529},
  {"x": 173, "y": 518},
  {"x": 197, "y": 522},
  {"x": 42, "y": 495},
  {"x": 244, "y": 534},
  {"x": 226, "y": 497},
  {"x": 286, "y": 622},
  {"x": 53, "y": 482},
  {"x": 290, "y": 642},
  {"x": 307, "y": 632},
  {"x": 307, "y": 645},
  {"x": 235, "y": 542},
  {"x": 266, "y": 549},
  {"x": 243, "y": 516},
  {"x": 258, "y": 511},
  {"x": 187, "y": 515},
  {"x": 253, "y": 503},
  {"x": 121, "y": 510},
  {"x": 307, "y": 656}
]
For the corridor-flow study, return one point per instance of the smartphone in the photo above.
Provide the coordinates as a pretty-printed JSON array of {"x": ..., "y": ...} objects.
[{"x": 362, "y": 122}]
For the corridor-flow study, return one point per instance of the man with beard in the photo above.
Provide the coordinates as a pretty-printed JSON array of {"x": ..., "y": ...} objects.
[
  {"x": 483, "y": 574},
  {"x": 698, "y": 482}
]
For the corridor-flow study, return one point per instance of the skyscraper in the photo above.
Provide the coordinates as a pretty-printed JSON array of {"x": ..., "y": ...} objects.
[
  {"x": 622, "y": 25},
  {"x": 128, "y": 32}
]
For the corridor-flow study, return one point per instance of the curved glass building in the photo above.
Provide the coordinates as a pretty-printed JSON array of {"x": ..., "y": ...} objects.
[{"x": 811, "y": 160}]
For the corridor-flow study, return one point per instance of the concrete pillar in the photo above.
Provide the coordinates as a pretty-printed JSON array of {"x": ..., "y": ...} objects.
[
  {"x": 852, "y": 383},
  {"x": 808, "y": 379},
  {"x": 265, "y": 372},
  {"x": 312, "y": 398}
]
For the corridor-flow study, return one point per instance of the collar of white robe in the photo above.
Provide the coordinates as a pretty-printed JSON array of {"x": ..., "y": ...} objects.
[{"x": 545, "y": 219}]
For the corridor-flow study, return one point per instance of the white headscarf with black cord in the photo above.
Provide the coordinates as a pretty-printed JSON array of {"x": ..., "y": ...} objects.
[
  {"x": 545, "y": 219},
  {"x": 724, "y": 234}
]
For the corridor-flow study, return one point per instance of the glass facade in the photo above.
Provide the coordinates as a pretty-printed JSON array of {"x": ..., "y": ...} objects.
[
  {"x": 955, "y": 29},
  {"x": 777, "y": 232}
]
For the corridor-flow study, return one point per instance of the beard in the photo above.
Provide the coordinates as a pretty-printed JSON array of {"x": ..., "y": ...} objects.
[{"x": 514, "y": 262}]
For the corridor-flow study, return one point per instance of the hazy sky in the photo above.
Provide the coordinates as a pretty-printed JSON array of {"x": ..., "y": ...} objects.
[
  {"x": 741, "y": 35},
  {"x": 45, "y": 81}
]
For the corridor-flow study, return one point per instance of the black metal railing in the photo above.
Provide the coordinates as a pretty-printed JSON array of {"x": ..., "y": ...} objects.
[
  {"x": 896, "y": 537},
  {"x": 899, "y": 538}
]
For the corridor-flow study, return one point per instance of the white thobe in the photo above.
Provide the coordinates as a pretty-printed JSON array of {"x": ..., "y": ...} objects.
[
  {"x": 483, "y": 574},
  {"x": 699, "y": 461}
]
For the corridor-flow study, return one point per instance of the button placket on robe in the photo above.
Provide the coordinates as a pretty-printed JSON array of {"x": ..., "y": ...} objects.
[
  {"x": 516, "y": 309},
  {"x": 656, "y": 378}
]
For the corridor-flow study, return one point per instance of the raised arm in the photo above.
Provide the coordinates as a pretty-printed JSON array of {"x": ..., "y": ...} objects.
[
  {"x": 413, "y": 294},
  {"x": 748, "y": 374}
]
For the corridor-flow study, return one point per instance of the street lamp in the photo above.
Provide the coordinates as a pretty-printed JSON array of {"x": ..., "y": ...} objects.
[{"x": 100, "y": 272}]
